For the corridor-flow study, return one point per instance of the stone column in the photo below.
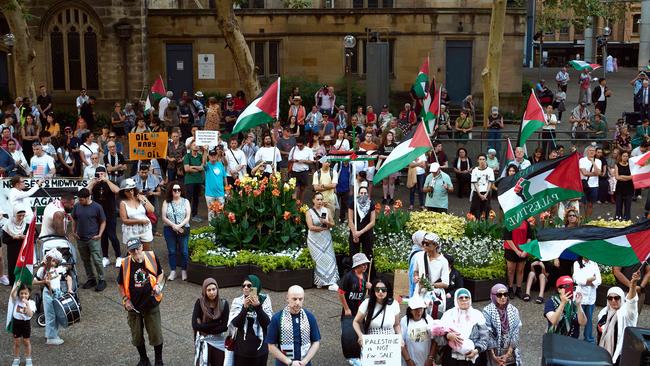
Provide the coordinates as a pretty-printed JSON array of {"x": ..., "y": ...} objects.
[
  {"x": 589, "y": 54},
  {"x": 124, "y": 30}
]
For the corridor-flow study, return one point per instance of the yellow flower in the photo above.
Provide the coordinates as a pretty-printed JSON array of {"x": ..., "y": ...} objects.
[
  {"x": 286, "y": 187},
  {"x": 304, "y": 208}
]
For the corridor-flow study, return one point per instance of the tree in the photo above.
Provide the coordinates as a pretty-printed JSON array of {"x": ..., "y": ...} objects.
[
  {"x": 229, "y": 26},
  {"x": 23, "y": 50},
  {"x": 491, "y": 72},
  {"x": 555, "y": 14}
]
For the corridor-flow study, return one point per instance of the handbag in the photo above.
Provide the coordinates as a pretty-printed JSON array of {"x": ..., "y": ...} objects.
[
  {"x": 152, "y": 217},
  {"x": 412, "y": 178},
  {"x": 229, "y": 343}
]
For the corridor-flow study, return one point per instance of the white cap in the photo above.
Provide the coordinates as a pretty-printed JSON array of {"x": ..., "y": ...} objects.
[
  {"x": 416, "y": 302},
  {"x": 434, "y": 167}
]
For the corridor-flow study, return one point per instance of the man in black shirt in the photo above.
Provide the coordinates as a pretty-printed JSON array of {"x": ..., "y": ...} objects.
[
  {"x": 103, "y": 192},
  {"x": 87, "y": 112},
  {"x": 140, "y": 285},
  {"x": 352, "y": 291},
  {"x": 44, "y": 104}
]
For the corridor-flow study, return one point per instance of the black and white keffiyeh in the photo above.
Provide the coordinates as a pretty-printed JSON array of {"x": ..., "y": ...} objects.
[{"x": 286, "y": 331}]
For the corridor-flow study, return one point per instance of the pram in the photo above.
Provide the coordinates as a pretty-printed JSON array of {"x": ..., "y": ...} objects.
[{"x": 67, "y": 307}]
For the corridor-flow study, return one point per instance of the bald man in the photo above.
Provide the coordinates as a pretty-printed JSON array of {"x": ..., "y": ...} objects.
[{"x": 293, "y": 335}]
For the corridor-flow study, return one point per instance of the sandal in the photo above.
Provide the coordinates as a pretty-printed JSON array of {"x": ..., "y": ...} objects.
[
  {"x": 526, "y": 298},
  {"x": 539, "y": 300}
]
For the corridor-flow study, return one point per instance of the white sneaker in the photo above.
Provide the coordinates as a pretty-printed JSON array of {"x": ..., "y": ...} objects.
[
  {"x": 16, "y": 362},
  {"x": 54, "y": 341},
  {"x": 28, "y": 362},
  {"x": 333, "y": 287},
  {"x": 4, "y": 280},
  {"x": 172, "y": 276},
  {"x": 118, "y": 262},
  {"x": 105, "y": 262},
  {"x": 184, "y": 275}
]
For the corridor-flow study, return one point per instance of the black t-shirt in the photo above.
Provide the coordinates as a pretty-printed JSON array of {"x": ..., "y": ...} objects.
[
  {"x": 44, "y": 101},
  {"x": 103, "y": 195},
  {"x": 139, "y": 286},
  {"x": 354, "y": 289},
  {"x": 387, "y": 149},
  {"x": 366, "y": 220},
  {"x": 359, "y": 132},
  {"x": 574, "y": 326}
]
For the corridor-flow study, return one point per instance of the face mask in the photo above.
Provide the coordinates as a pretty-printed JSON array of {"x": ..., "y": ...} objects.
[{"x": 363, "y": 199}]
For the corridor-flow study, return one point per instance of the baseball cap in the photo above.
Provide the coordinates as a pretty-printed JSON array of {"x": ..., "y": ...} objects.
[
  {"x": 133, "y": 243},
  {"x": 434, "y": 167}
]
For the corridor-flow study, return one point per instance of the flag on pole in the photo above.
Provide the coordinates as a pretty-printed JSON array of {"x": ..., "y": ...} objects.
[
  {"x": 533, "y": 119},
  {"x": 538, "y": 187},
  {"x": 147, "y": 106},
  {"x": 583, "y": 65},
  {"x": 607, "y": 246},
  {"x": 431, "y": 109},
  {"x": 262, "y": 110},
  {"x": 420, "y": 87},
  {"x": 404, "y": 153},
  {"x": 510, "y": 157},
  {"x": 158, "y": 89},
  {"x": 640, "y": 169},
  {"x": 24, "y": 271}
]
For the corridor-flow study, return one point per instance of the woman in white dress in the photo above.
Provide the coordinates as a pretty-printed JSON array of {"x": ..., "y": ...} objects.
[
  {"x": 133, "y": 213},
  {"x": 319, "y": 242},
  {"x": 379, "y": 313}
]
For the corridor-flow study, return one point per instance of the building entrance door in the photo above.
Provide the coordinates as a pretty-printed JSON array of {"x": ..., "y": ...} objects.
[
  {"x": 180, "y": 69},
  {"x": 458, "y": 69}
]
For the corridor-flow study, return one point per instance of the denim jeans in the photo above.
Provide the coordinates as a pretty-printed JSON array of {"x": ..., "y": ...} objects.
[
  {"x": 177, "y": 241},
  {"x": 418, "y": 188},
  {"x": 589, "y": 312},
  {"x": 51, "y": 326},
  {"x": 494, "y": 139}
]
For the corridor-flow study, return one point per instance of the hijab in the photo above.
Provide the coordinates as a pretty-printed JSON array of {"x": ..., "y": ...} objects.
[
  {"x": 14, "y": 227},
  {"x": 463, "y": 320},
  {"x": 608, "y": 338},
  {"x": 211, "y": 308},
  {"x": 502, "y": 309},
  {"x": 257, "y": 283}
]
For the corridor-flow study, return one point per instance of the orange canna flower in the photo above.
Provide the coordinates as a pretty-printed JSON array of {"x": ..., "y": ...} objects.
[
  {"x": 398, "y": 204},
  {"x": 470, "y": 217},
  {"x": 216, "y": 206},
  {"x": 256, "y": 192},
  {"x": 286, "y": 215},
  {"x": 237, "y": 182},
  {"x": 231, "y": 217},
  {"x": 544, "y": 215},
  {"x": 228, "y": 188},
  {"x": 275, "y": 192},
  {"x": 297, "y": 219},
  {"x": 492, "y": 215},
  {"x": 378, "y": 207}
]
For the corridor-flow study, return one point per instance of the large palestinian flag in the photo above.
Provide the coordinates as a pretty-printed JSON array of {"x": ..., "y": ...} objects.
[
  {"x": 420, "y": 87},
  {"x": 611, "y": 247},
  {"x": 431, "y": 109},
  {"x": 157, "y": 92},
  {"x": 538, "y": 187},
  {"x": 404, "y": 153},
  {"x": 640, "y": 169},
  {"x": 533, "y": 119},
  {"x": 262, "y": 110},
  {"x": 24, "y": 271},
  {"x": 583, "y": 65}
]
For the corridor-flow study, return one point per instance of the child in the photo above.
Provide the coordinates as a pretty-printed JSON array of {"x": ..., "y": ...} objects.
[
  {"x": 24, "y": 309},
  {"x": 50, "y": 275}
]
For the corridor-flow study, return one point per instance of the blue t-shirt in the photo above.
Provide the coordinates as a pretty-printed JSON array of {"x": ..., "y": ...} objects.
[
  {"x": 214, "y": 176},
  {"x": 273, "y": 333}
]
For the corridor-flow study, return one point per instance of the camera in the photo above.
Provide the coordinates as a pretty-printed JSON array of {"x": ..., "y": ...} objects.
[{"x": 97, "y": 175}]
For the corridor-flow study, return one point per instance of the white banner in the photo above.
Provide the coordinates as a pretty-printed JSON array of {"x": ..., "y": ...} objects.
[
  {"x": 209, "y": 138},
  {"x": 381, "y": 349}
]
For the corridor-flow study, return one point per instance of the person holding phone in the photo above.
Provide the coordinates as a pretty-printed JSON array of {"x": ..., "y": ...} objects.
[
  {"x": 176, "y": 214},
  {"x": 563, "y": 311},
  {"x": 319, "y": 241}
]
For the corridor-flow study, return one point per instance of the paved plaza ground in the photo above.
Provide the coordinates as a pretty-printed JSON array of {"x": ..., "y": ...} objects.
[{"x": 103, "y": 337}]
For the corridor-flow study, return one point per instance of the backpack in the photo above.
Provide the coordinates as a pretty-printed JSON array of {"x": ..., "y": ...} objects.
[{"x": 331, "y": 175}]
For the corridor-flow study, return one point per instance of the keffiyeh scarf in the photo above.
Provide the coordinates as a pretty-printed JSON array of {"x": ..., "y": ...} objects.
[{"x": 286, "y": 332}]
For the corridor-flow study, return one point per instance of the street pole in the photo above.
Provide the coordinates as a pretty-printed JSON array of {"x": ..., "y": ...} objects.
[
  {"x": 541, "y": 56},
  {"x": 348, "y": 81},
  {"x": 605, "y": 58},
  {"x": 589, "y": 41}
]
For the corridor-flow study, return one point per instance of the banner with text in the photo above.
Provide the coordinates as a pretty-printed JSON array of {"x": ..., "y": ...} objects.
[
  {"x": 147, "y": 145},
  {"x": 52, "y": 189},
  {"x": 209, "y": 138},
  {"x": 381, "y": 349}
]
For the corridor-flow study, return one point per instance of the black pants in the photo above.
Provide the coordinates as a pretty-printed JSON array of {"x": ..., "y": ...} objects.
[
  {"x": 464, "y": 181},
  {"x": 365, "y": 244},
  {"x": 343, "y": 204},
  {"x": 548, "y": 144},
  {"x": 193, "y": 193},
  {"x": 479, "y": 207},
  {"x": 246, "y": 361},
  {"x": 13, "y": 249},
  {"x": 623, "y": 205},
  {"x": 602, "y": 106},
  {"x": 109, "y": 234}
]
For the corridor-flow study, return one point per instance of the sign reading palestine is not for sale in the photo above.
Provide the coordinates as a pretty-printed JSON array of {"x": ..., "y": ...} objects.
[{"x": 147, "y": 145}]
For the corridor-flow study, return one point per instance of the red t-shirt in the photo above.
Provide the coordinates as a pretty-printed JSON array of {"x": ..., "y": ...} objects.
[{"x": 518, "y": 236}]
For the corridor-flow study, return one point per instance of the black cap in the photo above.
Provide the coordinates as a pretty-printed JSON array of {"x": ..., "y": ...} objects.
[
  {"x": 83, "y": 193},
  {"x": 385, "y": 106}
]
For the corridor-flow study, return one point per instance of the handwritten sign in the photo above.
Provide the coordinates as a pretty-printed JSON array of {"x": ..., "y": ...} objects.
[
  {"x": 209, "y": 138},
  {"x": 52, "y": 189},
  {"x": 381, "y": 349},
  {"x": 148, "y": 145}
]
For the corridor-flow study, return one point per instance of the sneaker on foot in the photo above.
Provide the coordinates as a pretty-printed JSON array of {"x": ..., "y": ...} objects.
[
  {"x": 172, "y": 276},
  {"x": 101, "y": 285},
  {"x": 105, "y": 262},
  {"x": 638, "y": 197},
  {"x": 384, "y": 201},
  {"x": 54, "y": 341},
  {"x": 144, "y": 362},
  {"x": 4, "y": 280},
  {"x": 118, "y": 262},
  {"x": 333, "y": 287},
  {"x": 158, "y": 363},
  {"x": 184, "y": 275},
  {"x": 16, "y": 362},
  {"x": 90, "y": 283},
  {"x": 391, "y": 201},
  {"x": 28, "y": 362}
]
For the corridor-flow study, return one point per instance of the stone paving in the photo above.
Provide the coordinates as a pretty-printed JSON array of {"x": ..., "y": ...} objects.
[{"x": 103, "y": 338}]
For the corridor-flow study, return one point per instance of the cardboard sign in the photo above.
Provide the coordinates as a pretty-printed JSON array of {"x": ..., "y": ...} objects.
[
  {"x": 381, "y": 349},
  {"x": 52, "y": 189},
  {"x": 148, "y": 145},
  {"x": 401, "y": 287},
  {"x": 209, "y": 138}
]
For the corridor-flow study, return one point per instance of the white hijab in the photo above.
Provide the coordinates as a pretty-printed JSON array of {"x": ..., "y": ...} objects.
[
  {"x": 462, "y": 320},
  {"x": 14, "y": 227}
]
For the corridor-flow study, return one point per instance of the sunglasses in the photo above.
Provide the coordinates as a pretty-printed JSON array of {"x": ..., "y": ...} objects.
[
  {"x": 613, "y": 298},
  {"x": 176, "y": 189},
  {"x": 111, "y": 136},
  {"x": 501, "y": 294},
  {"x": 428, "y": 243},
  {"x": 463, "y": 297},
  {"x": 565, "y": 286},
  {"x": 573, "y": 216},
  {"x": 381, "y": 289},
  {"x": 246, "y": 285}
]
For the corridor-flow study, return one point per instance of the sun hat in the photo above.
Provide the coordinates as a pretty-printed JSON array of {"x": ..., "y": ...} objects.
[
  {"x": 359, "y": 259},
  {"x": 128, "y": 183}
]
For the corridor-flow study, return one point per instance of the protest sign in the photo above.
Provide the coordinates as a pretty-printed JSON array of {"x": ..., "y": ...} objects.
[
  {"x": 51, "y": 190},
  {"x": 381, "y": 349},
  {"x": 209, "y": 138},
  {"x": 147, "y": 145}
]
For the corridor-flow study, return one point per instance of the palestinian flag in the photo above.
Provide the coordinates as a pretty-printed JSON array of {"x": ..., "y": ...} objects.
[
  {"x": 640, "y": 169},
  {"x": 404, "y": 153},
  {"x": 582, "y": 65},
  {"x": 538, "y": 187},
  {"x": 533, "y": 119},
  {"x": 158, "y": 89},
  {"x": 611, "y": 247},
  {"x": 431, "y": 110},
  {"x": 261, "y": 111},
  {"x": 24, "y": 271},
  {"x": 420, "y": 87},
  {"x": 510, "y": 157}
]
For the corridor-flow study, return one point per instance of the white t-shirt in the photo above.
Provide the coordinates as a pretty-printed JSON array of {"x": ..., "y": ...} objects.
[
  {"x": 18, "y": 198},
  {"x": 89, "y": 171},
  {"x": 343, "y": 145},
  {"x": 266, "y": 154},
  {"x": 388, "y": 320},
  {"x": 20, "y": 309},
  {"x": 236, "y": 158},
  {"x": 48, "y": 215},
  {"x": 483, "y": 178},
  {"x": 162, "y": 106},
  {"x": 550, "y": 121},
  {"x": 417, "y": 338},
  {"x": 419, "y": 170},
  {"x": 88, "y": 150},
  {"x": 42, "y": 166},
  {"x": 55, "y": 276},
  {"x": 66, "y": 155},
  {"x": 304, "y": 154},
  {"x": 525, "y": 163},
  {"x": 586, "y": 164}
]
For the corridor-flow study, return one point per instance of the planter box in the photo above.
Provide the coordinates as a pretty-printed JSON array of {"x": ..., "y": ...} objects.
[
  {"x": 601, "y": 295},
  {"x": 480, "y": 289},
  {"x": 225, "y": 276},
  {"x": 281, "y": 280}
]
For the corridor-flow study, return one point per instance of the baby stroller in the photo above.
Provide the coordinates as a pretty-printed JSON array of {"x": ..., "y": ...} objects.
[{"x": 67, "y": 307}]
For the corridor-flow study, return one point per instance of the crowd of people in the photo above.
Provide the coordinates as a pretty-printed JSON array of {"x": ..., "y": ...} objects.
[{"x": 440, "y": 325}]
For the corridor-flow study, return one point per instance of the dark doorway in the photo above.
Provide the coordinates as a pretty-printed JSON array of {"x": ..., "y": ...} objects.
[
  {"x": 458, "y": 69},
  {"x": 180, "y": 69},
  {"x": 4, "y": 77}
]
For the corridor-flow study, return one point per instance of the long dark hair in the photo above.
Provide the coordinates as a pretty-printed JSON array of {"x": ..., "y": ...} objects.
[
  {"x": 372, "y": 302},
  {"x": 169, "y": 195}
]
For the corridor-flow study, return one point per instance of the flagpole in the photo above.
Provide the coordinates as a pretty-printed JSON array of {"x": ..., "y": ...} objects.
[
  {"x": 354, "y": 196},
  {"x": 277, "y": 118}
]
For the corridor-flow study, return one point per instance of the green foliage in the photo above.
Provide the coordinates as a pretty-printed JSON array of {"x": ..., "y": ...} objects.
[
  {"x": 556, "y": 14},
  {"x": 383, "y": 262},
  {"x": 266, "y": 262},
  {"x": 608, "y": 279},
  {"x": 484, "y": 229},
  {"x": 391, "y": 220},
  {"x": 496, "y": 269},
  {"x": 297, "y": 4}
]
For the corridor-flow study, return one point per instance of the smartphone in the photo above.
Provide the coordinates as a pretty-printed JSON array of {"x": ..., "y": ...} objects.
[
  {"x": 323, "y": 217},
  {"x": 253, "y": 292},
  {"x": 97, "y": 175}
]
